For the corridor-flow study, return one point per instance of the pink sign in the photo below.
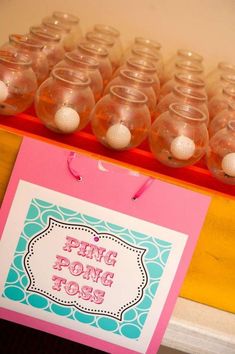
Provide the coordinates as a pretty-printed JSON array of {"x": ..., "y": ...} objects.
[{"x": 95, "y": 253}]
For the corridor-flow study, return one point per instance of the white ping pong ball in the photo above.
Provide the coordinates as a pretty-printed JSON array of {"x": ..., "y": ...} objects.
[
  {"x": 3, "y": 91},
  {"x": 67, "y": 119},
  {"x": 182, "y": 147},
  {"x": 118, "y": 136},
  {"x": 228, "y": 164}
]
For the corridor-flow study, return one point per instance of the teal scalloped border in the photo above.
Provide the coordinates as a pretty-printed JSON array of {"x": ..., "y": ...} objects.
[{"x": 155, "y": 260}]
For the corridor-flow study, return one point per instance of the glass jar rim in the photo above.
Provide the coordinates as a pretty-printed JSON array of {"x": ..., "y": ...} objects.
[
  {"x": 190, "y": 93},
  {"x": 97, "y": 38},
  {"x": 9, "y": 57},
  {"x": 106, "y": 29},
  {"x": 226, "y": 66},
  {"x": 188, "y": 112},
  {"x": 190, "y": 78},
  {"x": 85, "y": 60},
  {"x": 50, "y": 20},
  {"x": 66, "y": 17},
  {"x": 137, "y": 76},
  {"x": 190, "y": 54},
  {"x": 230, "y": 78},
  {"x": 229, "y": 90},
  {"x": 146, "y": 52},
  {"x": 44, "y": 34},
  {"x": 94, "y": 48},
  {"x": 128, "y": 94},
  {"x": 231, "y": 106},
  {"x": 149, "y": 42},
  {"x": 189, "y": 65},
  {"x": 71, "y": 77},
  {"x": 231, "y": 125},
  {"x": 145, "y": 64},
  {"x": 21, "y": 39},
  {"x": 56, "y": 28}
]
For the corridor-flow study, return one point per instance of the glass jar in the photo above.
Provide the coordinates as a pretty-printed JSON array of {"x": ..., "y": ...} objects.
[
  {"x": 181, "y": 55},
  {"x": 138, "y": 80},
  {"x": 34, "y": 50},
  {"x": 115, "y": 34},
  {"x": 146, "y": 42},
  {"x": 141, "y": 42},
  {"x": 220, "y": 102},
  {"x": 218, "y": 86},
  {"x": 88, "y": 65},
  {"x": 18, "y": 83},
  {"x": 222, "y": 118},
  {"x": 151, "y": 55},
  {"x": 142, "y": 65},
  {"x": 185, "y": 66},
  {"x": 179, "y": 137},
  {"x": 73, "y": 23},
  {"x": 107, "y": 42},
  {"x": 121, "y": 119},
  {"x": 182, "y": 79},
  {"x": 223, "y": 68},
  {"x": 64, "y": 101},
  {"x": 101, "y": 55},
  {"x": 52, "y": 46},
  {"x": 59, "y": 28},
  {"x": 221, "y": 154},
  {"x": 186, "y": 95}
]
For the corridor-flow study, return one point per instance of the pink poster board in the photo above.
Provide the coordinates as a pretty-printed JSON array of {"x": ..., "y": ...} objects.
[{"x": 83, "y": 260}]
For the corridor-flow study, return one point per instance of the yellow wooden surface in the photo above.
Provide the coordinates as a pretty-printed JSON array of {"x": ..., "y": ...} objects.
[
  {"x": 9, "y": 146},
  {"x": 211, "y": 276}
]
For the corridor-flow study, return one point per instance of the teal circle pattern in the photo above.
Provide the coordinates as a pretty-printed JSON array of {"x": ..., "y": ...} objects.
[
  {"x": 107, "y": 324},
  {"x": 83, "y": 317},
  {"x": 18, "y": 262},
  {"x": 38, "y": 301},
  {"x": 130, "y": 331},
  {"x": 155, "y": 259},
  {"x": 14, "y": 293},
  {"x": 61, "y": 310},
  {"x": 13, "y": 276}
]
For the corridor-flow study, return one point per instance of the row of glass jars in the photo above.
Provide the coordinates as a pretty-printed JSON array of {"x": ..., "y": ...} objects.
[
  {"x": 144, "y": 53},
  {"x": 184, "y": 87}
]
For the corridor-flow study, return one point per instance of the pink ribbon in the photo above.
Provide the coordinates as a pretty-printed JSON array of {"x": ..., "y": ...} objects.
[
  {"x": 143, "y": 188},
  {"x": 72, "y": 156}
]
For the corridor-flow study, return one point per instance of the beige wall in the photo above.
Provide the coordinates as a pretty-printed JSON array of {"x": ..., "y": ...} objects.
[{"x": 206, "y": 26}]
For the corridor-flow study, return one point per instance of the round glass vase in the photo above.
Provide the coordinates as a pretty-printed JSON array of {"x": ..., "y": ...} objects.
[
  {"x": 152, "y": 55},
  {"x": 73, "y": 23},
  {"x": 18, "y": 83},
  {"x": 121, "y": 119},
  {"x": 223, "y": 68},
  {"x": 220, "y": 102},
  {"x": 19, "y": 43},
  {"x": 115, "y": 35},
  {"x": 188, "y": 67},
  {"x": 144, "y": 66},
  {"x": 101, "y": 54},
  {"x": 64, "y": 101},
  {"x": 61, "y": 29},
  {"x": 221, "y": 154},
  {"x": 222, "y": 118},
  {"x": 182, "y": 79},
  {"x": 88, "y": 65},
  {"x": 181, "y": 55},
  {"x": 52, "y": 46},
  {"x": 138, "y": 80},
  {"x": 217, "y": 87},
  {"x": 179, "y": 137},
  {"x": 186, "y": 95},
  {"x": 107, "y": 42}
]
